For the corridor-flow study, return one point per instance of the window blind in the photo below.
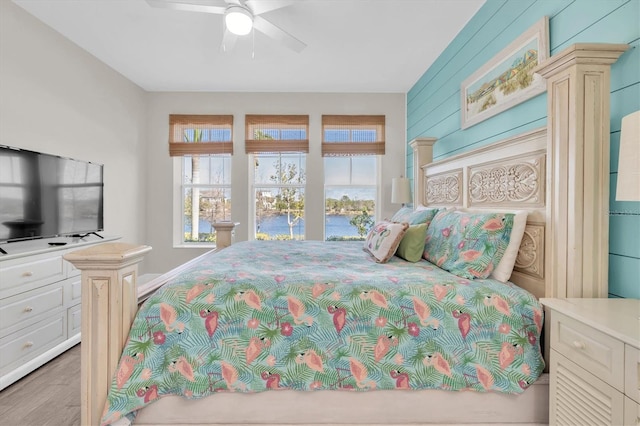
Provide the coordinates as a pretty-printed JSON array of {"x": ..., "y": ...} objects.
[
  {"x": 276, "y": 133},
  {"x": 345, "y": 135},
  {"x": 200, "y": 134}
]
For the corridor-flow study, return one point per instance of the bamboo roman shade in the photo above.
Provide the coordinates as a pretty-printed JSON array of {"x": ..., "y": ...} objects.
[
  {"x": 344, "y": 135},
  {"x": 200, "y": 134},
  {"x": 276, "y": 133}
]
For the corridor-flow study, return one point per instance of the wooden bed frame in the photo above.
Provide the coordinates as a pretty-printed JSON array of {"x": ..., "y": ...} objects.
[{"x": 559, "y": 174}]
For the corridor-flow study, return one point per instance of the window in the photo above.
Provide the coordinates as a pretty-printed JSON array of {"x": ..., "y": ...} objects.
[
  {"x": 351, "y": 146},
  {"x": 202, "y": 145},
  {"x": 278, "y": 144}
]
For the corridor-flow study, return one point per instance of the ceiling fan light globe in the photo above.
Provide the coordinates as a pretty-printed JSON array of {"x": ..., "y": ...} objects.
[{"x": 238, "y": 20}]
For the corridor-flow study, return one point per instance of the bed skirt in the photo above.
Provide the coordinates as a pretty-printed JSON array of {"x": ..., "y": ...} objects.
[{"x": 383, "y": 407}]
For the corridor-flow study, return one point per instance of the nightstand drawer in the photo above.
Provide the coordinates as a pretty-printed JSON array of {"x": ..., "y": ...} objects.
[
  {"x": 631, "y": 412},
  {"x": 632, "y": 373},
  {"x": 596, "y": 352},
  {"x": 578, "y": 398}
]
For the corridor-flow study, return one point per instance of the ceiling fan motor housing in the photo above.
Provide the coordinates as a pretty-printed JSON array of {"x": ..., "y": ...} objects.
[{"x": 238, "y": 19}]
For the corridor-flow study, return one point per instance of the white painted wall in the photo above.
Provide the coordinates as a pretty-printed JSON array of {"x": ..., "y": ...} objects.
[
  {"x": 159, "y": 166},
  {"x": 57, "y": 98}
]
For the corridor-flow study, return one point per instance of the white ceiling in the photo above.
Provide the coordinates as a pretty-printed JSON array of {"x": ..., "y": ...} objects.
[{"x": 352, "y": 45}]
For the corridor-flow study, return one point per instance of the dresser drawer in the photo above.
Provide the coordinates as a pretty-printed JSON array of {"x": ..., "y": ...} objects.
[
  {"x": 76, "y": 290},
  {"x": 32, "y": 341},
  {"x": 31, "y": 304},
  {"x": 632, "y": 372},
  {"x": 46, "y": 270},
  {"x": 596, "y": 352},
  {"x": 74, "y": 320}
]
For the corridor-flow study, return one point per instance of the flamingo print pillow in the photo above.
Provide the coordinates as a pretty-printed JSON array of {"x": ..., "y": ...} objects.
[
  {"x": 384, "y": 238},
  {"x": 467, "y": 244}
]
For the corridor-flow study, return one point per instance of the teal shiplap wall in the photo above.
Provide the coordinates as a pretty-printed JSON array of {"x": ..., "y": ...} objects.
[{"x": 433, "y": 103}]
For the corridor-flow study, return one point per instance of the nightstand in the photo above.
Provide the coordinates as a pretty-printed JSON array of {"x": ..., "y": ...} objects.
[{"x": 594, "y": 361}]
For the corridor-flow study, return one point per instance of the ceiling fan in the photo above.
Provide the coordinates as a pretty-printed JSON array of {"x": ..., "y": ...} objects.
[{"x": 240, "y": 17}]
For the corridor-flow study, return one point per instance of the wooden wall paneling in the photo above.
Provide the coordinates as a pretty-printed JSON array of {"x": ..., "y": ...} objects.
[
  {"x": 620, "y": 225},
  {"x": 625, "y": 74},
  {"x": 622, "y": 271},
  {"x": 582, "y": 21},
  {"x": 471, "y": 53},
  {"x": 433, "y": 105},
  {"x": 472, "y": 29},
  {"x": 519, "y": 119}
]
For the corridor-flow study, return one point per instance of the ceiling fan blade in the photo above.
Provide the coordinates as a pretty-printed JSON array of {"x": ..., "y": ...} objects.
[
  {"x": 278, "y": 34},
  {"x": 264, "y": 6},
  {"x": 188, "y": 7},
  {"x": 228, "y": 42}
]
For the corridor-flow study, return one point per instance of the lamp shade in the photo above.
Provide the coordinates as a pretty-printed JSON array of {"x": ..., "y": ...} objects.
[
  {"x": 400, "y": 191},
  {"x": 238, "y": 20},
  {"x": 628, "y": 188}
]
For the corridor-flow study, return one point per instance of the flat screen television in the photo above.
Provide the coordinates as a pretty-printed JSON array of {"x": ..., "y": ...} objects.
[{"x": 43, "y": 195}]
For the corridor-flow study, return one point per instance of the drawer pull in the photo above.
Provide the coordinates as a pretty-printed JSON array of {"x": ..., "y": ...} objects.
[
  {"x": 27, "y": 274},
  {"x": 28, "y": 309},
  {"x": 579, "y": 344},
  {"x": 27, "y": 344}
]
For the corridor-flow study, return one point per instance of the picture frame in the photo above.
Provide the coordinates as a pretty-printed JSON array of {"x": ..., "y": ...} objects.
[{"x": 507, "y": 79}]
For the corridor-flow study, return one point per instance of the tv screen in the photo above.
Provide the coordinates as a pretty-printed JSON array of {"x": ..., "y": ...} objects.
[{"x": 44, "y": 195}]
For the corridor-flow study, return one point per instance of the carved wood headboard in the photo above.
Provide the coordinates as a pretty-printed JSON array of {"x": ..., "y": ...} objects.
[{"x": 505, "y": 176}]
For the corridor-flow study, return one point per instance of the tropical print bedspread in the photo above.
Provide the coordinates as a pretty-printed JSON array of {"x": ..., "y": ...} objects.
[{"x": 310, "y": 315}]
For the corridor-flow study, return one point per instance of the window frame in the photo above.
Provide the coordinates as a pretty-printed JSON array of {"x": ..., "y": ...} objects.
[
  {"x": 253, "y": 185},
  {"x": 179, "y": 203},
  {"x": 180, "y": 148},
  {"x": 376, "y": 186}
]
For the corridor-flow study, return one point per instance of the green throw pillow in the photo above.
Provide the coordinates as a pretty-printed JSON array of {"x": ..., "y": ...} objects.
[{"x": 412, "y": 245}]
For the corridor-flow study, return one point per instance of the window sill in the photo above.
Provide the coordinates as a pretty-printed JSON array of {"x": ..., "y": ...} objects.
[{"x": 195, "y": 246}]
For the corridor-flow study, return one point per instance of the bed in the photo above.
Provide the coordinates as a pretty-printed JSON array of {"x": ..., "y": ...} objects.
[{"x": 380, "y": 334}]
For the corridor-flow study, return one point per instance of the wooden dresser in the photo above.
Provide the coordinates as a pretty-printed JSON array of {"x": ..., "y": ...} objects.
[
  {"x": 594, "y": 361},
  {"x": 40, "y": 314}
]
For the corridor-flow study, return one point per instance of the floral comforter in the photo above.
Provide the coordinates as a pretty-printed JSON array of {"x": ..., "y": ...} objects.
[{"x": 324, "y": 315}]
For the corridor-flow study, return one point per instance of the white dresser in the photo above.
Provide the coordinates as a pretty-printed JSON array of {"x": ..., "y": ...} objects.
[
  {"x": 594, "y": 361},
  {"x": 39, "y": 304}
]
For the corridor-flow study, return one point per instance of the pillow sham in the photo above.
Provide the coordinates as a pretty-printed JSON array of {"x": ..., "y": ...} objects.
[
  {"x": 402, "y": 215},
  {"x": 503, "y": 270},
  {"x": 468, "y": 244},
  {"x": 422, "y": 215},
  {"x": 412, "y": 245},
  {"x": 383, "y": 239}
]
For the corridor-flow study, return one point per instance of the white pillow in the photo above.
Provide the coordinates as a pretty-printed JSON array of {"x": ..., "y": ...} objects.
[{"x": 503, "y": 271}]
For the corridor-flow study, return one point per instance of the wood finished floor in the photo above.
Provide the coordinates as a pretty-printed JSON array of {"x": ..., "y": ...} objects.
[{"x": 48, "y": 396}]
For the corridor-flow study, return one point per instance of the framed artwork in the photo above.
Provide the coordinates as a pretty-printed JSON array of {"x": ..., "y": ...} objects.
[{"x": 507, "y": 79}]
